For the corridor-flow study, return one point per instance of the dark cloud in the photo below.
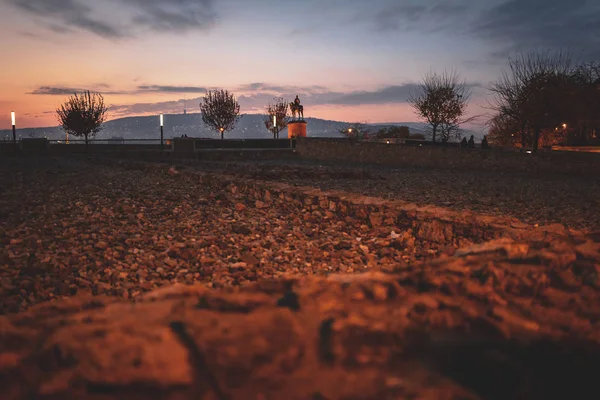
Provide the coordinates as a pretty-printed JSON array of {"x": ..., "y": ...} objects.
[
  {"x": 523, "y": 25},
  {"x": 388, "y": 94},
  {"x": 66, "y": 14},
  {"x": 105, "y": 88},
  {"x": 54, "y": 91},
  {"x": 265, "y": 87},
  {"x": 171, "y": 89},
  {"x": 173, "y": 106},
  {"x": 310, "y": 97},
  {"x": 176, "y": 16},
  {"x": 102, "y": 88},
  {"x": 425, "y": 16},
  {"x": 508, "y": 26}
]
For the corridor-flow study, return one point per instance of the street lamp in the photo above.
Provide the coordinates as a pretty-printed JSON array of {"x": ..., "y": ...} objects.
[
  {"x": 14, "y": 124},
  {"x": 275, "y": 127},
  {"x": 564, "y": 126},
  {"x": 162, "y": 120},
  {"x": 221, "y": 130}
]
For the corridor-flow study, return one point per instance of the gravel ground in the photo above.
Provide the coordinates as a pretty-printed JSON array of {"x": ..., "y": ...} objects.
[
  {"x": 69, "y": 226},
  {"x": 534, "y": 199}
]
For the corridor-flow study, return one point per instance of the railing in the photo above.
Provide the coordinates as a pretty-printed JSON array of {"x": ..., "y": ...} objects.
[
  {"x": 202, "y": 144},
  {"x": 106, "y": 141},
  {"x": 177, "y": 144}
]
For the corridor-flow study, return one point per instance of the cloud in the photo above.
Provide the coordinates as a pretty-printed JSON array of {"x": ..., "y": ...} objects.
[
  {"x": 133, "y": 16},
  {"x": 177, "y": 16},
  {"x": 170, "y": 89},
  {"x": 257, "y": 101},
  {"x": 522, "y": 25},
  {"x": 388, "y": 94},
  {"x": 68, "y": 13},
  {"x": 105, "y": 89},
  {"x": 425, "y": 16},
  {"x": 54, "y": 91},
  {"x": 172, "y": 106},
  {"x": 265, "y": 87}
]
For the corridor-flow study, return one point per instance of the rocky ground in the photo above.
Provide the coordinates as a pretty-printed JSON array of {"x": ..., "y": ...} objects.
[
  {"x": 532, "y": 198},
  {"x": 502, "y": 320},
  {"x": 277, "y": 309},
  {"x": 69, "y": 226}
]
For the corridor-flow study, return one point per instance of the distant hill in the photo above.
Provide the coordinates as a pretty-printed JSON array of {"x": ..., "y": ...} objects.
[
  {"x": 249, "y": 126},
  {"x": 147, "y": 127}
]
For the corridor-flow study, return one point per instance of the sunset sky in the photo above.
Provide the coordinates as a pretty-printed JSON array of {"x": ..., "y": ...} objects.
[{"x": 352, "y": 60}]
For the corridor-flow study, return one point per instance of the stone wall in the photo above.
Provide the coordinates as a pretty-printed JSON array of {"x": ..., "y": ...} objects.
[
  {"x": 441, "y": 226},
  {"x": 345, "y": 150},
  {"x": 425, "y": 223}
]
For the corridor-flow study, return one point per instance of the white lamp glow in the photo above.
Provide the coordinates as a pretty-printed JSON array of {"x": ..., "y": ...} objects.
[
  {"x": 13, "y": 118},
  {"x": 161, "y": 120},
  {"x": 274, "y": 120}
]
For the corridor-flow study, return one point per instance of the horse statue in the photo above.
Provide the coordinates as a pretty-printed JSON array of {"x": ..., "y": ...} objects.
[{"x": 297, "y": 109}]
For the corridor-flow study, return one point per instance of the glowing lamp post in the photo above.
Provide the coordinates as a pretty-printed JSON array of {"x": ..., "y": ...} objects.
[
  {"x": 162, "y": 120},
  {"x": 14, "y": 125},
  {"x": 275, "y": 133},
  {"x": 564, "y": 126},
  {"x": 221, "y": 130}
]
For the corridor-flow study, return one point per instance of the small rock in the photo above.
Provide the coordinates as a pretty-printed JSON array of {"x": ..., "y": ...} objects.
[
  {"x": 101, "y": 245},
  {"x": 249, "y": 259}
]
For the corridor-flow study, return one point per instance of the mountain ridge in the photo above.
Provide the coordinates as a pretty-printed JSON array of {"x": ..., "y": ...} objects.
[{"x": 249, "y": 126}]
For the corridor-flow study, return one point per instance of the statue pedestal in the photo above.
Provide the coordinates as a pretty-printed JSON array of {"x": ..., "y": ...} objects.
[{"x": 296, "y": 129}]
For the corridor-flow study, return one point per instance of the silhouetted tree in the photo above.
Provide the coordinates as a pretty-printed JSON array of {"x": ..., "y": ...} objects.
[
  {"x": 537, "y": 94},
  {"x": 441, "y": 100},
  {"x": 220, "y": 110},
  {"x": 398, "y": 132},
  {"x": 278, "y": 110},
  {"x": 82, "y": 114},
  {"x": 356, "y": 131},
  {"x": 585, "y": 103},
  {"x": 504, "y": 131}
]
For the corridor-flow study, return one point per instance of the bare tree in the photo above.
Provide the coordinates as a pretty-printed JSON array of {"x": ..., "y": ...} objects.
[
  {"x": 220, "y": 110},
  {"x": 441, "y": 100},
  {"x": 356, "y": 131},
  {"x": 82, "y": 114},
  {"x": 277, "y": 112},
  {"x": 504, "y": 131},
  {"x": 585, "y": 103},
  {"x": 537, "y": 93}
]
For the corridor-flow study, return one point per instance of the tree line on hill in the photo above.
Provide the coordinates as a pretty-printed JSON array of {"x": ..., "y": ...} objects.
[{"x": 544, "y": 98}]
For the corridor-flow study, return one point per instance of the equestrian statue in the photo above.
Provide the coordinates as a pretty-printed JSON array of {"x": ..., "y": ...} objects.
[{"x": 297, "y": 108}]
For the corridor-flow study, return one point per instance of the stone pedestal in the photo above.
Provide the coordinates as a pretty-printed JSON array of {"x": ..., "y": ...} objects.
[{"x": 296, "y": 129}]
